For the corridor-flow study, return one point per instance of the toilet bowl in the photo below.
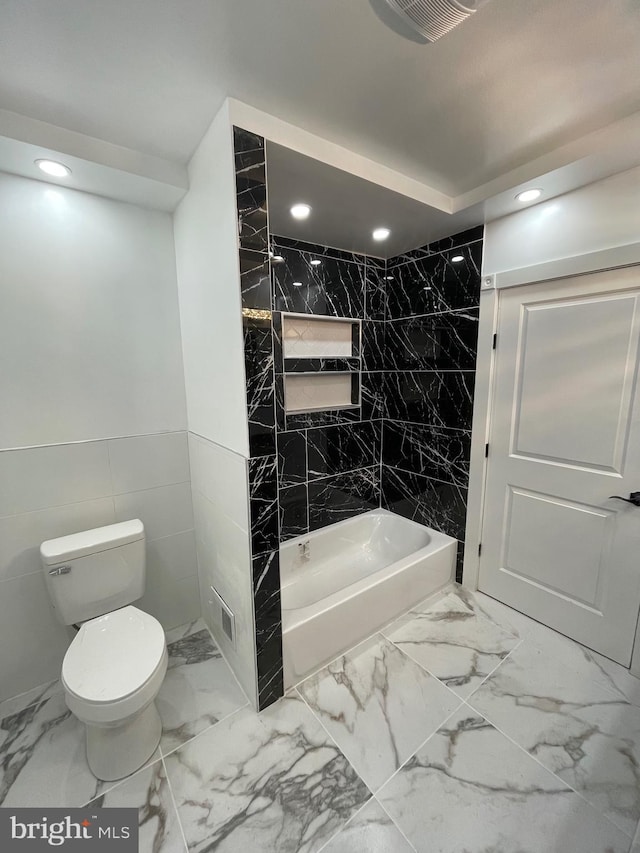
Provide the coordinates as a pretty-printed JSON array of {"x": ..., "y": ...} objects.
[
  {"x": 111, "y": 675},
  {"x": 114, "y": 667}
]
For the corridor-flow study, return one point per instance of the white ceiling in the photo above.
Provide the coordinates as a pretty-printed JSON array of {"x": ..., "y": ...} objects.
[
  {"x": 517, "y": 81},
  {"x": 345, "y": 208}
]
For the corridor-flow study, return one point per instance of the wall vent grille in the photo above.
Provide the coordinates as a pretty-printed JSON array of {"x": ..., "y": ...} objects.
[
  {"x": 223, "y": 616},
  {"x": 434, "y": 18}
]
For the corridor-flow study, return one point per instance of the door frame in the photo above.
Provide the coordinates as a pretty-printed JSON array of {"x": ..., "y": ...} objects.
[{"x": 491, "y": 285}]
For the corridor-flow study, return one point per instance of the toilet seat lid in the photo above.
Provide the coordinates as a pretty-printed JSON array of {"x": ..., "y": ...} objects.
[{"x": 113, "y": 655}]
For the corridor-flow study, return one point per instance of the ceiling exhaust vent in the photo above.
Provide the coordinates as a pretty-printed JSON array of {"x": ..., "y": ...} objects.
[{"x": 434, "y": 18}]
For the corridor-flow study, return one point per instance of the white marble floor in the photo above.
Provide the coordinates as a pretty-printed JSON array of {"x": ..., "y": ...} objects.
[{"x": 463, "y": 726}]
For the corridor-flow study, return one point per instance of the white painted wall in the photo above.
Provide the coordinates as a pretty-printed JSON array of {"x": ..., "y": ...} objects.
[
  {"x": 92, "y": 411},
  {"x": 221, "y": 509},
  {"x": 89, "y": 327},
  {"x": 207, "y": 263},
  {"x": 599, "y": 216},
  {"x": 51, "y": 491},
  {"x": 206, "y": 240}
]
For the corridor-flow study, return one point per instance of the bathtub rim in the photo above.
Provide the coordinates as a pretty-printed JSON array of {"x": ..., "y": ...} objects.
[{"x": 294, "y": 617}]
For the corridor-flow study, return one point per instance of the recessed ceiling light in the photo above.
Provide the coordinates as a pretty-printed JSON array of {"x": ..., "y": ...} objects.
[
  {"x": 53, "y": 168},
  {"x": 300, "y": 211},
  {"x": 529, "y": 195},
  {"x": 426, "y": 288},
  {"x": 388, "y": 278},
  {"x": 381, "y": 233},
  {"x": 457, "y": 258},
  {"x": 297, "y": 284},
  {"x": 315, "y": 262}
]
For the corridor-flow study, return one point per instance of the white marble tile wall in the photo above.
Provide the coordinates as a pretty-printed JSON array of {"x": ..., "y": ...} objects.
[
  {"x": 221, "y": 510},
  {"x": 55, "y": 490}
]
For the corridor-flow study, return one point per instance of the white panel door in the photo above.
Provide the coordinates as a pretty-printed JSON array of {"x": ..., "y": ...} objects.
[{"x": 565, "y": 436}]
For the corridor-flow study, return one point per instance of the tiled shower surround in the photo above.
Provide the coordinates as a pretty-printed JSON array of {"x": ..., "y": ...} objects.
[
  {"x": 328, "y": 461},
  {"x": 430, "y": 346},
  {"x": 404, "y": 443}
]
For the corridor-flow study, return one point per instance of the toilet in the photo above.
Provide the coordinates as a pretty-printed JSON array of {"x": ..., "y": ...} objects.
[{"x": 116, "y": 663}]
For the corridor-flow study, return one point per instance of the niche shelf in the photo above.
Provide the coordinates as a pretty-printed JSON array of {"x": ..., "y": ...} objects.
[
  {"x": 321, "y": 363},
  {"x": 318, "y": 392}
]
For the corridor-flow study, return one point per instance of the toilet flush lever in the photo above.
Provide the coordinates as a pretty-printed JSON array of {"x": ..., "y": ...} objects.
[
  {"x": 634, "y": 498},
  {"x": 60, "y": 570}
]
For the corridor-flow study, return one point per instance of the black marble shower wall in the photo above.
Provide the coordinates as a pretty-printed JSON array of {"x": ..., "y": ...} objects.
[
  {"x": 253, "y": 243},
  {"x": 329, "y": 461},
  {"x": 429, "y": 362}
]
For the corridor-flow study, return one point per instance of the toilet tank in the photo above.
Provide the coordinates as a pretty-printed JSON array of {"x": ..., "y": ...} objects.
[{"x": 96, "y": 571}]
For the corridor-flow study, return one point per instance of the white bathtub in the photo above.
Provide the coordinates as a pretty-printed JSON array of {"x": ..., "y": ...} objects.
[{"x": 359, "y": 575}]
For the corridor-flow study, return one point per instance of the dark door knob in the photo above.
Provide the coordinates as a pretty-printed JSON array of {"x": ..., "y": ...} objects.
[{"x": 634, "y": 498}]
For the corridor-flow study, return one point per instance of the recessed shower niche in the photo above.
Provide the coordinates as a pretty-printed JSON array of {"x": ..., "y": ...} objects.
[{"x": 321, "y": 362}]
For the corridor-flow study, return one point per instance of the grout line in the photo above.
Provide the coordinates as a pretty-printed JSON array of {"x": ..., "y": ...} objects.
[
  {"x": 424, "y": 668},
  {"x": 306, "y": 483},
  {"x": 496, "y": 667},
  {"x": 208, "y": 728},
  {"x": 432, "y": 254},
  {"x": 153, "y": 488},
  {"x": 331, "y": 738},
  {"x": 370, "y": 467},
  {"x": 120, "y": 782},
  {"x": 111, "y": 477},
  {"x": 175, "y": 805},
  {"x": 148, "y": 541},
  {"x": 447, "y": 312},
  {"x": 95, "y": 440},
  {"x": 333, "y": 660},
  {"x": 42, "y": 688},
  {"x": 111, "y": 496},
  {"x": 331, "y": 425},
  {"x": 344, "y": 825},
  {"x": 424, "y": 742},
  {"x": 397, "y": 826},
  {"x": 378, "y": 631},
  {"x": 428, "y": 477},
  {"x": 438, "y": 370},
  {"x": 555, "y": 775},
  {"x": 403, "y": 423},
  {"x": 532, "y": 641}
]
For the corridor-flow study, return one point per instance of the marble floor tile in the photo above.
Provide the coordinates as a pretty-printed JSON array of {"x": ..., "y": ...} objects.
[
  {"x": 31, "y": 697},
  {"x": 518, "y": 624},
  {"x": 452, "y": 642},
  {"x": 148, "y": 791},
  {"x": 378, "y": 705},
  {"x": 268, "y": 782},
  {"x": 471, "y": 789},
  {"x": 589, "y": 664},
  {"x": 575, "y": 726},
  {"x": 42, "y": 757},
  {"x": 618, "y": 677},
  {"x": 199, "y": 689},
  {"x": 521, "y": 626},
  {"x": 184, "y": 630},
  {"x": 370, "y": 830}
]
